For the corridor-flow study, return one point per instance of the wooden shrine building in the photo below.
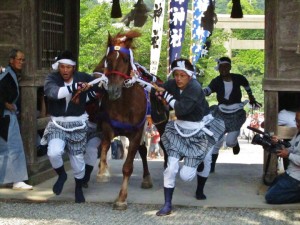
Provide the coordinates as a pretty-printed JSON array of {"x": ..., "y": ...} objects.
[
  {"x": 281, "y": 82},
  {"x": 42, "y": 29}
]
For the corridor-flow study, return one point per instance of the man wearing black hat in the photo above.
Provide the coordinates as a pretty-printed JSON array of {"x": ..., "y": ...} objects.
[{"x": 67, "y": 128}]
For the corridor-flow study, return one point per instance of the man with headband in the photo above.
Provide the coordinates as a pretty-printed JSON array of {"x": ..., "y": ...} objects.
[
  {"x": 192, "y": 134},
  {"x": 67, "y": 128},
  {"x": 227, "y": 86}
]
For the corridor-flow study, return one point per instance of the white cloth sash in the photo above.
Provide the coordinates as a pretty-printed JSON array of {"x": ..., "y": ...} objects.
[
  {"x": 233, "y": 107},
  {"x": 83, "y": 118},
  {"x": 195, "y": 126}
]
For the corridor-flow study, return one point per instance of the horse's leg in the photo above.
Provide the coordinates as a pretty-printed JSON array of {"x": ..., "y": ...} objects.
[
  {"x": 161, "y": 129},
  {"x": 147, "y": 181},
  {"x": 103, "y": 172},
  {"x": 134, "y": 142}
]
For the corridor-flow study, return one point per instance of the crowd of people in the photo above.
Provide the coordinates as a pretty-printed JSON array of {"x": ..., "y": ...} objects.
[{"x": 194, "y": 137}]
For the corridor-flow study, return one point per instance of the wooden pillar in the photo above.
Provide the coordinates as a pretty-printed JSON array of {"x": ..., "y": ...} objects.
[
  {"x": 271, "y": 70},
  {"x": 72, "y": 27},
  {"x": 228, "y": 44},
  {"x": 271, "y": 109},
  {"x": 29, "y": 121}
]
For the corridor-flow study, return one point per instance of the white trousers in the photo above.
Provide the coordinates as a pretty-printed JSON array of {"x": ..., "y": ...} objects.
[
  {"x": 56, "y": 149},
  {"x": 91, "y": 154},
  {"x": 186, "y": 173},
  {"x": 231, "y": 141},
  {"x": 207, "y": 164}
]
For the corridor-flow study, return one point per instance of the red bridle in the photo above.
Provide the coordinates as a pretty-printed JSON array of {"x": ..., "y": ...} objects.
[{"x": 125, "y": 76}]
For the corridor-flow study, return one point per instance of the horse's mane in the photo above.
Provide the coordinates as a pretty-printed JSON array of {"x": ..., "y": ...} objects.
[{"x": 124, "y": 38}]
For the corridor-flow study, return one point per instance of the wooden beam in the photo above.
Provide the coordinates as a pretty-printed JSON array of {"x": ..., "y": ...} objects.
[
  {"x": 247, "y": 22},
  {"x": 246, "y": 44},
  {"x": 276, "y": 84}
]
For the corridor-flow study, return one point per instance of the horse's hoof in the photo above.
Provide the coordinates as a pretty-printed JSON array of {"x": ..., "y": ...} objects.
[
  {"x": 120, "y": 205},
  {"x": 103, "y": 179},
  {"x": 147, "y": 182}
]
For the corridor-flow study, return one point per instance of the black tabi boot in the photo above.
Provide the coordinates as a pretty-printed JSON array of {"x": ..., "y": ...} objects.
[
  {"x": 167, "y": 208},
  {"x": 79, "y": 198},
  {"x": 62, "y": 177},
  {"x": 200, "y": 186},
  {"x": 214, "y": 158},
  {"x": 87, "y": 175},
  {"x": 236, "y": 149}
]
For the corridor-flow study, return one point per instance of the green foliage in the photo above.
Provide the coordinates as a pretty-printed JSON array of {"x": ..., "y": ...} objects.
[
  {"x": 95, "y": 23},
  {"x": 207, "y": 64},
  {"x": 93, "y": 29},
  {"x": 86, "y": 5},
  {"x": 248, "y": 6},
  {"x": 253, "y": 34},
  {"x": 249, "y": 63},
  {"x": 221, "y": 6}
]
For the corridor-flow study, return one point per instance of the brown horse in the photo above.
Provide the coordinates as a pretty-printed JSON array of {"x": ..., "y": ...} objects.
[{"x": 123, "y": 111}]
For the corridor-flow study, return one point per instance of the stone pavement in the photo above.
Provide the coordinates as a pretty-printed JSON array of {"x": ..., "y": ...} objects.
[
  {"x": 234, "y": 192},
  {"x": 237, "y": 182}
]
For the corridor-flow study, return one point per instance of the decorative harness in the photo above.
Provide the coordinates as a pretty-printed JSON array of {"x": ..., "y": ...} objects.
[
  {"x": 129, "y": 81},
  {"x": 126, "y": 51}
]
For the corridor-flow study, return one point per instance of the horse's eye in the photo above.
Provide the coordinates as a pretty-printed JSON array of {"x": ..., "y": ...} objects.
[
  {"x": 126, "y": 60},
  {"x": 109, "y": 64}
]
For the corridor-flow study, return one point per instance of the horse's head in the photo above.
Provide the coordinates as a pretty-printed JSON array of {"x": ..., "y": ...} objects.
[{"x": 119, "y": 62}]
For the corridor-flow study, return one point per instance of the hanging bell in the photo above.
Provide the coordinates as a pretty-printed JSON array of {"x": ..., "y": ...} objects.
[
  {"x": 116, "y": 9},
  {"x": 236, "y": 11}
]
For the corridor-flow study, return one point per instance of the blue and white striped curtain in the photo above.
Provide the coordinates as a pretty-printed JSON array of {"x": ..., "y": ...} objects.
[{"x": 199, "y": 35}]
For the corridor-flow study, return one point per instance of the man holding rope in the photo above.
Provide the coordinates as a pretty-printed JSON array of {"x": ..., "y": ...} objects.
[
  {"x": 67, "y": 128},
  {"x": 194, "y": 132}
]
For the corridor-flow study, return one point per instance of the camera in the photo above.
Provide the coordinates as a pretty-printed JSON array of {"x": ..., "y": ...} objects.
[{"x": 265, "y": 139}]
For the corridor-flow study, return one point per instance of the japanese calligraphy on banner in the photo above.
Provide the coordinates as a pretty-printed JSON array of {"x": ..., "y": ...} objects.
[
  {"x": 177, "y": 21},
  {"x": 156, "y": 36},
  {"x": 199, "y": 35}
]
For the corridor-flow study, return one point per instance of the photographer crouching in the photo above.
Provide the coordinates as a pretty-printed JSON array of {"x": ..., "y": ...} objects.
[{"x": 286, "y": 187}]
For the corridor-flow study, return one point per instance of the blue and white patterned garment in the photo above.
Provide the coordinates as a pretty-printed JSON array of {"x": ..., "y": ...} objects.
[{"x": 12, "y": 158}]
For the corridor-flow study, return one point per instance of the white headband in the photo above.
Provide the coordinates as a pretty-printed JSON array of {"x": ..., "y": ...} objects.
[
  {"x": 181, "y": 66},
  {"x": 64, "y": 61},
  {"x": 221, "y": 62}
]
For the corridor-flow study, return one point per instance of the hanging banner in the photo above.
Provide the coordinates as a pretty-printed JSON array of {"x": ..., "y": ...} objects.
[
  {"x": 156, "y": 36},
  {"x": 199, "y": 35},
  {"x": 177, "y": 21}
]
